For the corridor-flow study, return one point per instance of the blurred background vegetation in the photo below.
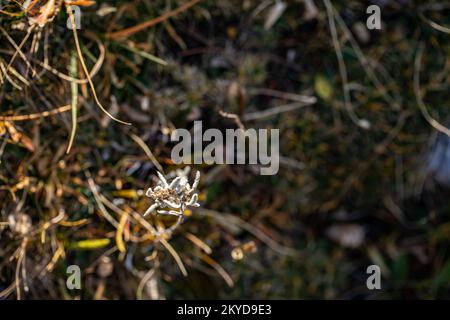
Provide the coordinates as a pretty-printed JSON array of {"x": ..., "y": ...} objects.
[{"x": 346, "y": 196}]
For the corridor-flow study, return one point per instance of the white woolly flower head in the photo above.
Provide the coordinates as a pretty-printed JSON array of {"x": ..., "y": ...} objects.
[{"x": 172, "y": 198}]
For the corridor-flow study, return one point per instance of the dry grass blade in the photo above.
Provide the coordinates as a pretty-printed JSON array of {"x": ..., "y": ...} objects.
[
  {"x": 199, "y": 243},
  {"x": 147, "y": 151},
  {"x": 18, "y": 50},
  {"x": 220, "y": 270},
  {"x": 147, "y": 24},
  {"x": 34, "y": 116},
  {"x": 74, "y": 99},
  {"x": 20, "y": 265},
  {"x": 135, "y": 215},
  {"x": 143, "y": 282},
  {"x": 6, "y": 76},
  {"x": 144, "y": 54},
  {"x": 276, "y": 110},
  {"x": 343, "y": 69},
  {"x": 432, "y": 7},
  {"x": 119, "y": 233},
  {"x": 176, "y": 256},
  {"x": 97, "y": 198}
]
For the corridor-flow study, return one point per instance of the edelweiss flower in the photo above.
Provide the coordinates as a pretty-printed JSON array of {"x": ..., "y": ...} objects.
[{"x": 174, "y": 197}]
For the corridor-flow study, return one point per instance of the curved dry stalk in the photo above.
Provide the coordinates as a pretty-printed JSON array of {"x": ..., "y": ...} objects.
[
  {"x": 147, "y": 151},
  {"x": 120, "y": 229},
  {"x": 95, "y": 69},
  {"x": 20, "y": 267},
  {"x": 198, "y": 242},
  {"x": 97, "y": 198},
  {"x": 220, "y": 270},
  {"x": 435, "y": 6},
  {"x": 9, "y": 290},
  {"x": 365, "y": 63},
  {"x": 85, "y": 70},
  {"x": 417, "y": 90},
  {"x": 59, "y": 253},
  {"x": 143, "y": 282},
  {"x": 343, "y": 69},
  {"x": 175, "y": 255}
]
